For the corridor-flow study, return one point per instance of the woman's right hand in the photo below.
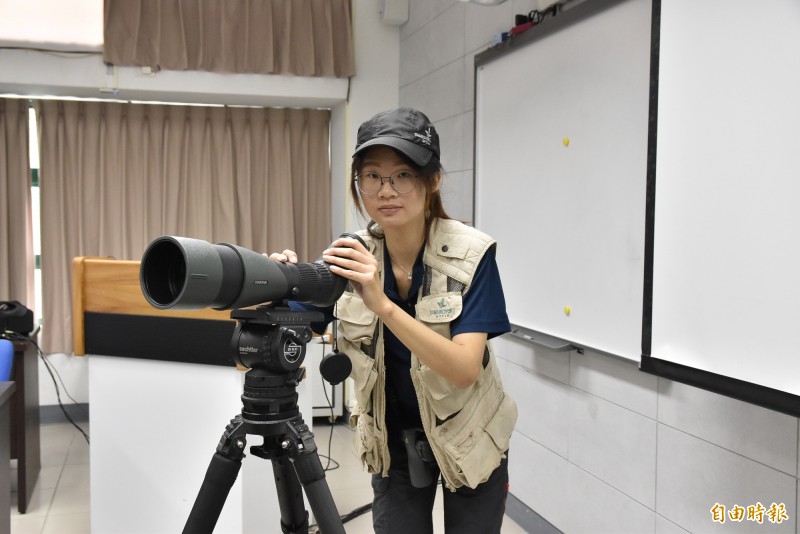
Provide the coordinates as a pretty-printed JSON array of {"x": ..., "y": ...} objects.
[{"x": 287, "y": 255}]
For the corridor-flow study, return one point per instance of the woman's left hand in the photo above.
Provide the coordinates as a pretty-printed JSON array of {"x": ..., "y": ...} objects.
[{"x": 351, "y": 260}]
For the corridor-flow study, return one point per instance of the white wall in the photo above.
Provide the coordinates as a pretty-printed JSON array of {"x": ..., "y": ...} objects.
[
  {"x": 599, "y": 446},
  {"x": 374, "y": 88}
]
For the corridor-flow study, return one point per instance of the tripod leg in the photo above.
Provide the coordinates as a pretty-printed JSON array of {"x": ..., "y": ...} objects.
[
  {"x": 309, "y": 471},
  {"x": 298, "y": 444},
  {"x": 221, "y": 474},
  {"x": 312, "y": 477},
  {"x": 294, "y": 518}
]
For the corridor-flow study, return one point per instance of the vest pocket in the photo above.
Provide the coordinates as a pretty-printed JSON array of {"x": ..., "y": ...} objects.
[
  {"x": 356, "y": 330},
  {"x": 477, "y": 465},
  {"x": 367, "y": 445},
  {"x": 356, "y": 321},
  {"x": 480, "y": 455},
  {"x": 364, "y": 377},
  {"x": 502, "y": 424},
  {"x": 439, "y": 309},
  {"x": 474, "y": 441},
  {"x": 446, "y": 399}
]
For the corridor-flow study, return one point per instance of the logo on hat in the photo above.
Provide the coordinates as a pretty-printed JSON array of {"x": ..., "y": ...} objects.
[{"x": 426, "y": 139}]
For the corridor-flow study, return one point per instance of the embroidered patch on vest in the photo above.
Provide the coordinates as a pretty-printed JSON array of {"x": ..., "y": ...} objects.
[{"x": 439, "y": 308}]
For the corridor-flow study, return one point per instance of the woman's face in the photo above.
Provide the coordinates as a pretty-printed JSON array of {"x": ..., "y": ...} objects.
[{"x": 389, "y": 208}]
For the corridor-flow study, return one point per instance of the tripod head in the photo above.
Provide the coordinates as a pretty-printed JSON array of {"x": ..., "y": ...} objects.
[
  {"x": 272, "y": 338},
  {"x": 271, "y": 341}
]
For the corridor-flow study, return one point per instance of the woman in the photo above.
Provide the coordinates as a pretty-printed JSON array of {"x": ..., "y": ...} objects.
[{"x": 424, "y": 297}]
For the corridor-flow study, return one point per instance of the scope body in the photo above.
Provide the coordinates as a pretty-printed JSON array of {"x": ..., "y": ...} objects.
[{"x": 185, "y": 273}]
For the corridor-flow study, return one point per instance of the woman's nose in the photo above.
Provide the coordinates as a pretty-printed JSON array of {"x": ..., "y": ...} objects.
[{"x": 386, "y": 188}]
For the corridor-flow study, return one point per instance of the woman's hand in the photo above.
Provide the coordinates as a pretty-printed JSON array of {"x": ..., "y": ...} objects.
[
  {"x": 287, "y": 256},
  {"x": 351, "y": 260}
]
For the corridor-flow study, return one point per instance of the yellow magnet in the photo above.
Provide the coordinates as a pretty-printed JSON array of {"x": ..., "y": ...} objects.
[
  {"x": 566, "y": 141},
  {"x": 567, "y": 310}
]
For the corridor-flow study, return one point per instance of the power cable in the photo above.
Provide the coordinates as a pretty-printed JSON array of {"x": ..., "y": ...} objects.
[{"x": 50, "y": 368}]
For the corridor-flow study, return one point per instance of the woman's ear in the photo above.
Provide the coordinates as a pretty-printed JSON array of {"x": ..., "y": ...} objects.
[{"x": 437, "y": 181}]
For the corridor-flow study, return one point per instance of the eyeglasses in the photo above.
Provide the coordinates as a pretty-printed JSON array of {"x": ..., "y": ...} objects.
[{"x": 370, "y": 183}]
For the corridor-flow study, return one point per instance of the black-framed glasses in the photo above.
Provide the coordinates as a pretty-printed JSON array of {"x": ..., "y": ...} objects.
[{"x": 402, "y": 181}]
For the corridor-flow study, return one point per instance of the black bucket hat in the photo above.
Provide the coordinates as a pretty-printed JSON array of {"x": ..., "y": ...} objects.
[{"x": 407, "y": 130}]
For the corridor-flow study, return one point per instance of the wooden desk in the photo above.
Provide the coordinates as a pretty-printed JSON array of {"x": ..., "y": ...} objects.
[
  {"x": 25, "y": 444},
  {"x": 110, "y": 316},
  {"x": 6, "y": 393}
]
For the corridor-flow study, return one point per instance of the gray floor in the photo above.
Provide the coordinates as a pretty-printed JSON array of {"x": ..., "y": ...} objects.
[{"x": 61, "y": 504}]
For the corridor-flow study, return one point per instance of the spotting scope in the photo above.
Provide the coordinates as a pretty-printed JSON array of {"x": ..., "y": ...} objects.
[{"x": 182, "y": 273}]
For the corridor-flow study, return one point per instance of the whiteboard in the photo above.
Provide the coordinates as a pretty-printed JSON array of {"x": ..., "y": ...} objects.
[
  {"x": 726, "y": 259},
  {"x": 561, "y": 126}
]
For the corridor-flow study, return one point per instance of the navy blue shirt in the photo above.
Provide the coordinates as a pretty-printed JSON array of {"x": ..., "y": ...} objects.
[{"x": 483, "y": 310}]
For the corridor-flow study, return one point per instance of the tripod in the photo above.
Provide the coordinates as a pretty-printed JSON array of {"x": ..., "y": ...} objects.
[{"x": 271, "y": 342}]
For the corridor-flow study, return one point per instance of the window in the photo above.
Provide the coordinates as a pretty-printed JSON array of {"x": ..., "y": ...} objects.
[{"x": 33, "y": 152}]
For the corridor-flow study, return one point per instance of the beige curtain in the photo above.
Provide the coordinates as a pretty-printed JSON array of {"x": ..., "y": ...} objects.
[
  {"x": 116, "y": 176},
  {"x": 298, "y": 37},
  {"x": 16, "y": 233}
]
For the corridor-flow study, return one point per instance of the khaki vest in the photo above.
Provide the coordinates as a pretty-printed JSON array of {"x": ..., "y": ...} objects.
[{"x": 468, "y": 429}]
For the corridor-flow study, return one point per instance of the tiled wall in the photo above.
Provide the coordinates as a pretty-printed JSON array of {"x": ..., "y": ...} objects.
[
  {"x": 599, "y": 446},
  {"x": 602, "y": 447}
]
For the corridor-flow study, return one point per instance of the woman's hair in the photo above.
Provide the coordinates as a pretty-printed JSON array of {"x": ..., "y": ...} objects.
[{"x": 434, "y": 209}]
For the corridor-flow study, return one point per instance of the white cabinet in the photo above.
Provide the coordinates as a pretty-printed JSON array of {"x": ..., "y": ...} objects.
[{"x": 139, "y": 409}]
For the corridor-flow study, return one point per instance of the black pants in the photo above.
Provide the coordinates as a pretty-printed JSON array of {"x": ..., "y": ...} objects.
[{"x": 400, "y": 508}]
